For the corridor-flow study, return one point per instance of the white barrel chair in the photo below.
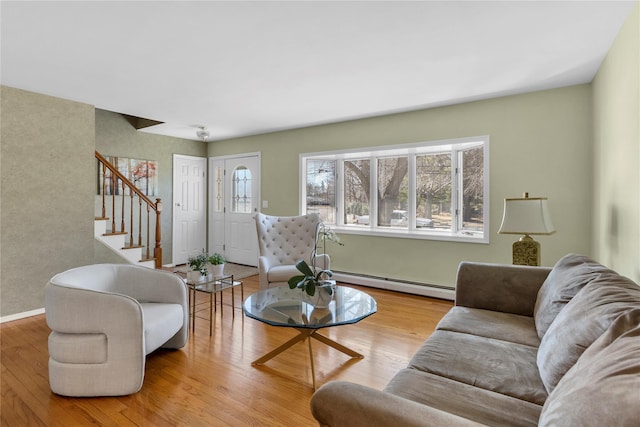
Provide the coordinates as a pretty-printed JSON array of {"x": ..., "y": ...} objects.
[
  {"x": 282, "y": 242},
  {"x": 105, "y": 319}
]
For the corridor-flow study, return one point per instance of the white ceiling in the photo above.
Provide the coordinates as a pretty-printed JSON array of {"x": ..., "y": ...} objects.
[{"x": 243, "y": 68}]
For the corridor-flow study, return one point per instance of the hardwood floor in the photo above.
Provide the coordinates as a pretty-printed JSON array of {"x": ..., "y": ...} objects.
[{"x": 210, "y": 382}]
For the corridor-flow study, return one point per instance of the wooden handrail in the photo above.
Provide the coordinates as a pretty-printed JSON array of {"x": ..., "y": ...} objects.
[{"x": 155, "y": 206}]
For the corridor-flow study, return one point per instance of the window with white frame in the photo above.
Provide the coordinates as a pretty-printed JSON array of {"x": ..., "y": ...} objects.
[{"x": 431, "y": 190}]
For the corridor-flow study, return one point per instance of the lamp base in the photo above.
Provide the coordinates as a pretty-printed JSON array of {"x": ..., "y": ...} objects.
[{"x": 526, "y": 251}]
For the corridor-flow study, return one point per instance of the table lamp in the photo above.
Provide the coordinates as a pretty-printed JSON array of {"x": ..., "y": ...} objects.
[{"x": 528, "y": 215}]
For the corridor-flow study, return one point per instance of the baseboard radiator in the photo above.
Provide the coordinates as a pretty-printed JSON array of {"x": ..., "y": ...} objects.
[{"x": 409, "y": 287}]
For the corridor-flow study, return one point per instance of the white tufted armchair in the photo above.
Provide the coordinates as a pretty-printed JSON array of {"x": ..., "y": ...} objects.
[{"x": 283, "y": 241}]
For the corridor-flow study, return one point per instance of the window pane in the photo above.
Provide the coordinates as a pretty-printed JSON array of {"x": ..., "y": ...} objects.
[
  {"x": 393, "y": 187},
  {"x": 357, "y": 182},
  {"x": 241, "y": 190},
  {"x": 321, "y": 189},
  {"x": 473, "y": 189},
  {"x": 433, "y": 191}
]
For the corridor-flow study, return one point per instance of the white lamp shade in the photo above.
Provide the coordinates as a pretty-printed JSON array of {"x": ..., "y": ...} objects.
[{"x": 526, "y": 216}]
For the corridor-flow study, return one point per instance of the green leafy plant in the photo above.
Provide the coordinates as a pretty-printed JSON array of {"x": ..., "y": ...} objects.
[
  {"x": 217, "y": 259},
  {"x": 199, "y": 263},
  {"x": 310, "y": 278}
]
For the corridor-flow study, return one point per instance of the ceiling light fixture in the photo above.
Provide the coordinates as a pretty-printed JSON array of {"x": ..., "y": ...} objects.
[{"x": 203, "y": 133}]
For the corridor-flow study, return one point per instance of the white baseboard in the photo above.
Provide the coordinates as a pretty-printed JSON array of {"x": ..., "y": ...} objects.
[
  {"x": 425, "y": 289},
  {"x": 22, "y": 315}
]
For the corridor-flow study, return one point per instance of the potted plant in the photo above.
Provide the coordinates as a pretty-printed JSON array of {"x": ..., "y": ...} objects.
[
  {"x": 217, "y": 261},
  {"x": 198, "y": 265},
  {"x": 314, "y": 283}
]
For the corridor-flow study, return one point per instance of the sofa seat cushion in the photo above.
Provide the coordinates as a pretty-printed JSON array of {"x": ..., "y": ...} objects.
[
  {"x": 474, "y": 403},
  {"x": 491, "y": 324},
  {"x": 161, "y": 322},
  {"x": 570, "y": 274},
  {"x": 282, "y": 273},
  {"x": 500, "y": 366},
  {"x": 587, "y": 316},
  {"x": 603, "y": 387}
]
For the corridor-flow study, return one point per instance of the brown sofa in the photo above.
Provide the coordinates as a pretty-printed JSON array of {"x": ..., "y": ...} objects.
[{"x": 523, "y": 346}]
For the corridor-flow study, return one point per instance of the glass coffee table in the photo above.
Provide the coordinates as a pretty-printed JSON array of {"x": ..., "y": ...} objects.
[{"x": 286, "y": 307}]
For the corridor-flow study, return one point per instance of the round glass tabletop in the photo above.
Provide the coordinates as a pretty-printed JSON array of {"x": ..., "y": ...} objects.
[{"x": 282, "y": 306}]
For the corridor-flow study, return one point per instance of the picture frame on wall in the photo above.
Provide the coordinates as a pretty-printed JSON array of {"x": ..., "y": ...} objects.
[{"x": 142, "y": 173}]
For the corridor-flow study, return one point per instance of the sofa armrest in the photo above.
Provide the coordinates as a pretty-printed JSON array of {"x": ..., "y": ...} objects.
[
  {"x": 499, "y": 287},
  {"x": 341, "y": 403},
  {"x": 77, "y": 311},
  {"x": 86, "y": 311},
  {"x": 79, "y": 318}
]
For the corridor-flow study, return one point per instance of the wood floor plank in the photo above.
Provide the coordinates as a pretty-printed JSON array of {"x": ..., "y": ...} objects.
[{"x": 211, "y": 382}]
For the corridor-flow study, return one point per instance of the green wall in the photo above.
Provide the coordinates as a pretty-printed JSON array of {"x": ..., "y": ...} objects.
[
  {"x": 579, "y": 146},
  {"x": 616, "y": 130},
  {"x": 539, "y": 142},
  {"x": 47, "y": 188},
  {"x": 116, "y": 137},
  {"x": 46, "y": 193}
]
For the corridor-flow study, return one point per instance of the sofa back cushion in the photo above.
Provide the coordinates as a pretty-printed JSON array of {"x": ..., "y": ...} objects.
[
  {"x": 587, "y": 316},
  {"x": 570, "y": 274},
  {"x": 603, "y": 387}
]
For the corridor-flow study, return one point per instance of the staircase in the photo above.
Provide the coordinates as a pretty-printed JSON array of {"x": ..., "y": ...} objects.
[
  {"x": 117, "y": 243},
  {"x": 133, "y": 212}
]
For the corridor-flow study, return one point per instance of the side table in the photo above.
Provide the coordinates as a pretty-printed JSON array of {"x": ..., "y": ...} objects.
[{"x": 212, "y": 286}]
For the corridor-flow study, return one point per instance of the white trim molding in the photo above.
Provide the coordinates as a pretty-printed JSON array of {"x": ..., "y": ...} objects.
[{"x": 18, "y": 316}]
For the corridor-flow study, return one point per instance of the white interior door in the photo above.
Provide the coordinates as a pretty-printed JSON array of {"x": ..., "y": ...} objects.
[
  {"x": 234, "y": 197},
  {"x": 189, "y": 207}
]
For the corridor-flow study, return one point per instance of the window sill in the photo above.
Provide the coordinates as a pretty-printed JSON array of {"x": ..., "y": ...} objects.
[{"x": 421, "y": 234}]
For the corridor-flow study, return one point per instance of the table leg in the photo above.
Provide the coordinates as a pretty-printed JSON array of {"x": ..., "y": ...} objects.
[
  {"x": 210, "y": 314},
  {"x": 313, "y": 370},
  {"x": 337, "y": 346},
  {"x": 233, "y": 303},
  {"x": 193, "y": 311},
  {"x": 302, "y": 335}
]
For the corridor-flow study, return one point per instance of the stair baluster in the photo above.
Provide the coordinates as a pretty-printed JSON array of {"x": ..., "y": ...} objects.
[
  {"x": 122, "y": 214},
  {"x": 104, "y": 190},
  {"x": 148, "y": 210},
  {"x": 131, "y": 219},
  {"x": 140, "y": 228},
  {"x": 113, "y": 202}
]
